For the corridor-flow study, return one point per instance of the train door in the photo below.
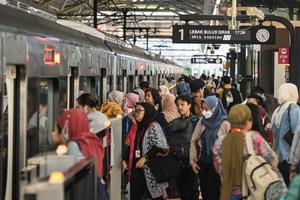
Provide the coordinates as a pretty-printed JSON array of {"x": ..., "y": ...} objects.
[
  {"x": 13, "y": 131},
  {"x": 103, "y": 85},
  {"x": 141, "y": 78},
  {"x": 73, "y": 86},
  {"x": 158, "y": 77},
  {"x": 150, "y": 80},
  {"x": 120, "y": 83},
  {"x": 130, "y": 83}
]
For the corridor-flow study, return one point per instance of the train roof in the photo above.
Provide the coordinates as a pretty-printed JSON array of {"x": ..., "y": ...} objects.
[{"x": 19, "y": 22}]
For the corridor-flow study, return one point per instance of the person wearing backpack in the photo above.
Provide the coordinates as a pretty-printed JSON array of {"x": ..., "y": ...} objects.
[
  {"x": 213, "y": 125},
  {"x": 286, "y": 130},
  {"x": 197, "y": 88},
  {"x": 228, "y": 94},
  {"x": 231, "y": 152},
  {"x": 179, "y": 141}
]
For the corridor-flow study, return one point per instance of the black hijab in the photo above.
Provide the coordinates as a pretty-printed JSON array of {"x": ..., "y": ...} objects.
[{"x": 148, "y": 116}]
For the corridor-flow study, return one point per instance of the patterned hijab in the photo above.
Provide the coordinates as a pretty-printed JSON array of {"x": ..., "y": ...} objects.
[
  {"x": 74, "y": 123},
  {"x": 130, "y": 100}
]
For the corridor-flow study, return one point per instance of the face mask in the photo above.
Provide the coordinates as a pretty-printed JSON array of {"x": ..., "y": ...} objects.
[
  {"x": 207, "y": 114},
  {"x": 229, "y": 100}
]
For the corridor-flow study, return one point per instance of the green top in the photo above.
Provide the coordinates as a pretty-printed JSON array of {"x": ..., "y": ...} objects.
[{"x": 294, "y": 189}]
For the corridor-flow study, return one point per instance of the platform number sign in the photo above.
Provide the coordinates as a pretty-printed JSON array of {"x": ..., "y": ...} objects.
[
  {"x": 181, "y": 34},
  {"x": 222, "y": 35}
]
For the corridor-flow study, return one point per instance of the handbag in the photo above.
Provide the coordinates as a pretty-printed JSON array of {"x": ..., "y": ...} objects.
[
  {"x": 288, "y": 137},
  {"x": 163, "y": 166}
]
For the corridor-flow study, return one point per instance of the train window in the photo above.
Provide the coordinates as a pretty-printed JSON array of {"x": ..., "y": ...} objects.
[
  {"x": 32, "y": 116},
  {"x": 41, "y": 108},
  {"x": 85, "y": 85}
]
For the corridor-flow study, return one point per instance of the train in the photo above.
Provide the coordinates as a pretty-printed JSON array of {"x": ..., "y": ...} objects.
[{"x": 45, "y": 64}]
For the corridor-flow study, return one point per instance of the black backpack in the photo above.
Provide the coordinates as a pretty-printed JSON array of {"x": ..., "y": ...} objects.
[{"x": 181, "y": 135}]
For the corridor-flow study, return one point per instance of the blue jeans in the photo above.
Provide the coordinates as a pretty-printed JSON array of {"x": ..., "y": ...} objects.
[{"x": 236, "y": 197}]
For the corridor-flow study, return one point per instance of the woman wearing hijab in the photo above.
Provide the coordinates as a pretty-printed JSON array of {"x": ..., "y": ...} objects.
[
  {"x": 113, "y": 108},
  {"x": 72, "y": 129},
  {"x": 153, "y": 97},
  {"x": 116, "y": 96},
  {"x": 141, "y": 93},
  {"x": 129, "y": 102},
  {"x": 214, "y": 124},
  {"x": 169, "y": 109},
  {"x": 230, "y": 152},
  {"x": 144, "y": 139},
  {"x": 163, "y": 90},
  {"x": 285, "y": 118}
]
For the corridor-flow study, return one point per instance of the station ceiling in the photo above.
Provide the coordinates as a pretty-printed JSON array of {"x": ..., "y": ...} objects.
[{"x": 153, "y": 16}]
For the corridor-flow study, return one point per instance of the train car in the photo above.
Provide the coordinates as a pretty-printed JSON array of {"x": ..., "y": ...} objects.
[{"x": 44, "y": 66}]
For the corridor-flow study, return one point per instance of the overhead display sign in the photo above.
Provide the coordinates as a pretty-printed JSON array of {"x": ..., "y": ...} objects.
[
  {"x": 206, "y": 60},
  {"x": 283, "y": 56},
  {"x": 222, "y": 35}
]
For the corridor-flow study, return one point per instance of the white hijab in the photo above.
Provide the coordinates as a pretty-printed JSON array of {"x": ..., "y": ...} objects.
[{"x": 287, "y": 94}]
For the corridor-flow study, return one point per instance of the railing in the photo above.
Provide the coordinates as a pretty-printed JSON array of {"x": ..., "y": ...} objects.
[{"x": 77, "y": 183}]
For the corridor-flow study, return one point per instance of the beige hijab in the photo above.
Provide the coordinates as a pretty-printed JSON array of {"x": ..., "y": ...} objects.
[
  {"x": 116, "y": 96},
  {"x": 163, "y": 90},
  {"x": 169, "y": 108}
]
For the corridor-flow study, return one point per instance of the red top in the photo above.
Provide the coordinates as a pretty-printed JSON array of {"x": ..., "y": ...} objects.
[{"x": 75, "y": 124}]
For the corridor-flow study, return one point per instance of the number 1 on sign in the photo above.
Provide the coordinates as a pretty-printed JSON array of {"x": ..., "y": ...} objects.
[{"x": 181, "y": 33}]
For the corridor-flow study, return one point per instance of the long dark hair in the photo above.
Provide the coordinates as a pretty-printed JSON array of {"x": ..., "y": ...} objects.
[
  {"x": 256, "y": 121},
  {"x": 156, "y": 96}
]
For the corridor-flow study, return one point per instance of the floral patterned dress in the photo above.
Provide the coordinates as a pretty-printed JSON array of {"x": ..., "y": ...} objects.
[{"x": 261, "y": 148}]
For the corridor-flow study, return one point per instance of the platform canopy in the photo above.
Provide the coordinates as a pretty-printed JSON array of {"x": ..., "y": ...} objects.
[{"x": 156, "y": 15}]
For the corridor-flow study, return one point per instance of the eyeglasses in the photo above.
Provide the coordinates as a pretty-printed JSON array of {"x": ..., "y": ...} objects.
[{"x": 139, "y": 110}]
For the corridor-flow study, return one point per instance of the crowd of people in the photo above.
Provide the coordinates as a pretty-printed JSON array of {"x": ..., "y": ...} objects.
[{"x": 197, "y": 138}]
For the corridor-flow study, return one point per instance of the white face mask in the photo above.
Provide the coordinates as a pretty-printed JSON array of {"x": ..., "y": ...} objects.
[
  {"x": 229, "y": 100},
  {"x": 207, "y": 114}
]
